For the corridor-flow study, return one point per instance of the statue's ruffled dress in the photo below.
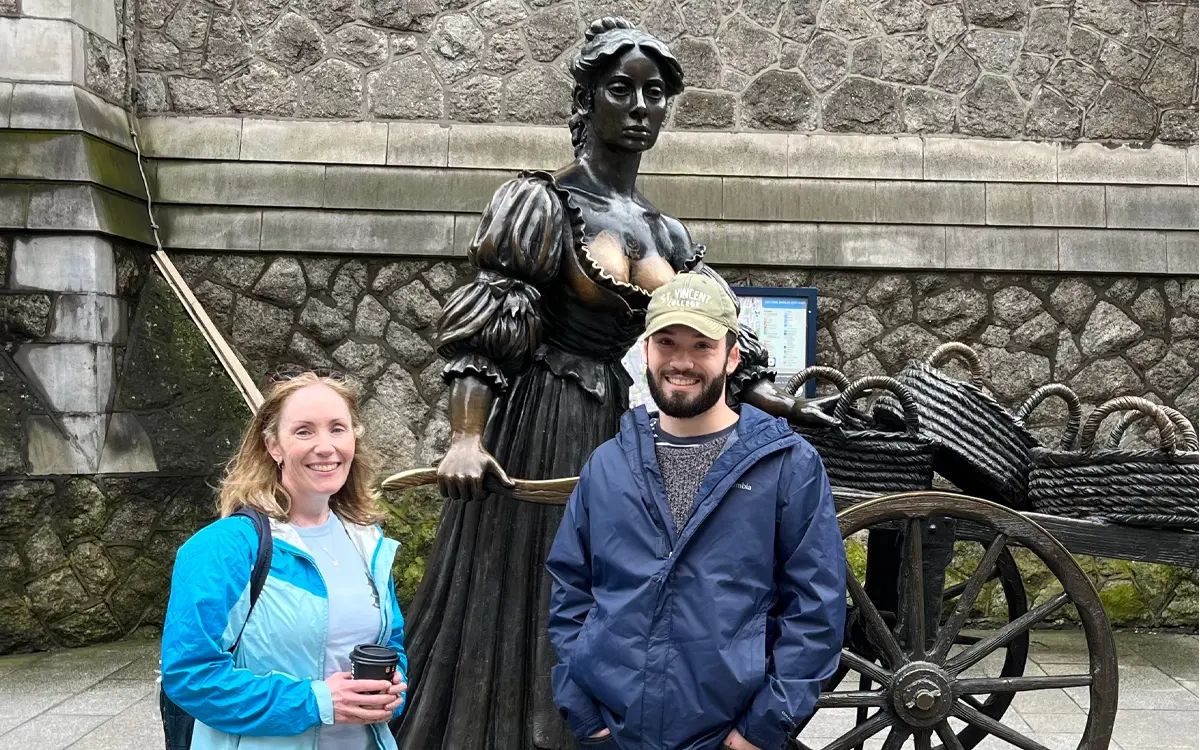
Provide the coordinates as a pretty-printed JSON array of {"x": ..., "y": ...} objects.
[{"x": 547, "y": 327}]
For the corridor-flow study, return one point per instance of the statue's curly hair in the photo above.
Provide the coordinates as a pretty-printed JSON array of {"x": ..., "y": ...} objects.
[{"x": 606, "y": 39}]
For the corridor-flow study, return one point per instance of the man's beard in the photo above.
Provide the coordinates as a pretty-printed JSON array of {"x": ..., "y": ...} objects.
[{"x": 682, "y": 406}]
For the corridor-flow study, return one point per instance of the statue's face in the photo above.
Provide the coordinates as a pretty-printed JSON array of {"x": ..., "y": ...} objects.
[{"x": 630, "y": 103}]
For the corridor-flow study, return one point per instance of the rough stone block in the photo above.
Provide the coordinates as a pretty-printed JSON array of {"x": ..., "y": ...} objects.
[
  {"x": 1183, "y": 253},
  {"x": 756, "y": 199},
  {"x": 127, "y": 447},
  {"x": 412, "y": 144},
  {"x": 35, "y": 49},
  {"x": 74, "y": 377},
  {"x": 368, "y": 232},
  {"x": 322, "y": 142},
  {"x": 929, "y": 202},
  {"x": 771, "y": 244},
  {"x": 1151, "y": 207},
  {"x": 1001, "y": 249},
  {"x": 1100, "y": 163},
  {"x": 881, "y": 246},
  {"x": 240, "y": 183},
  {"x": 517, "y": 147},
  {"x": 1111, "y": 251},
  {"x": 858, "y": 156},
  {"x": 405, "y": 189},
  {"x": 750, "y": 154},
  {"x": 686, "y": 197},
  {"x": 88, "y": 318},
  {"x": 1025, "y": 204},
  {"x": 191, "y": 137},
  {"x": 63, "y": 264},
  {"x": 6, "y": 93},
  {"x": 14, "y": 205},
  {"x": 980, "y": 160},
  {"x": 49, "y": 452},
  {"x": 202, "y": 228}
]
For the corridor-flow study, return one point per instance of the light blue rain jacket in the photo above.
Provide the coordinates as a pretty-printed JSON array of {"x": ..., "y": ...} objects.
[{"x": 271, "y": 693}]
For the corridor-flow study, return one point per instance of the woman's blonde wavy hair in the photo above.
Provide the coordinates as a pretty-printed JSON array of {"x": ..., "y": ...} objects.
[{"x": 252, "y": 476}]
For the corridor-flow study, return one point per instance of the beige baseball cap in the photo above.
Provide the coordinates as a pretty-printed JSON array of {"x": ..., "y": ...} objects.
[{"x": 693, "y": 300}]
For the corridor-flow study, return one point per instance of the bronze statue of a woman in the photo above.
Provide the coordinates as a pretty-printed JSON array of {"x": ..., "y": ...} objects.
[{"x": 566, "y": 264}]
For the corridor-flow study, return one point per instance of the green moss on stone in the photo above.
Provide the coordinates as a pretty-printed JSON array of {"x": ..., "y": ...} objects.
[
  {"x": 1123, "y": 603},
  {"x": 412, "y": 520}
]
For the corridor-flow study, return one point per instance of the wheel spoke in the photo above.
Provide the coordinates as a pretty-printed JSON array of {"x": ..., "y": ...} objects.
[
  {"x": 863, "y": 731},
  {"x": 1020, "y": 684},
  {"x": 946, "y": 734},
  {"x": 966, "y": 640},
  {"x": 921, "y": 739},
  {"x": 883, "y": 636},
  {"x": 860, "y": 713},
  {"x": 853, "y": 699},
  {"x": 987, "y": 566},
  {"x": 868, "y": 668},
  {"x": 895, "y": 739},
  {"x": 915, "y": 611},
  {"x": 993, "y": 727},
  {"x": 980, "y": 650},
  {"x": 973, "y": 701}
]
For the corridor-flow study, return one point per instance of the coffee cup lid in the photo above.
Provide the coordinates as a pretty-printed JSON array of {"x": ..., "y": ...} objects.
[{"x": 371, "y": 653}]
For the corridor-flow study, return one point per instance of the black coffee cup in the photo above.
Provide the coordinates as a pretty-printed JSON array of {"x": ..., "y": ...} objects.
[{"x": 371, "y": 662}]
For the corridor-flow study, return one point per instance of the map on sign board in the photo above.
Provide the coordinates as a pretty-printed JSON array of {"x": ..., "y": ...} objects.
[{"x": 784, "y": 321}]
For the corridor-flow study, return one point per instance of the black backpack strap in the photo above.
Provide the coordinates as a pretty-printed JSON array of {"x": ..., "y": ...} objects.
[{"x": 262, "y": 560}]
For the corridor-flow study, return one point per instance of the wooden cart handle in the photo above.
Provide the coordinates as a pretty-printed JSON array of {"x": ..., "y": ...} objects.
[{"x": 540, "y": 491}]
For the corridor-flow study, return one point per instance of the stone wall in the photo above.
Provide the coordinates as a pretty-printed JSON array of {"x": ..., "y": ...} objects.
[
  {"x": 87, "y": 558},
  {"x": 84, "y": 557},
  {"x": 1045, "y": 70},
  {"x": 374, "y": 319}
]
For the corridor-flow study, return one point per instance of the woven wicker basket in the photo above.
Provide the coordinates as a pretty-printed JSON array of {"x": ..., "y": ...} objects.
[
  {"x": 1155, "y": 488},
  {"x": 1185, "y": 434},
  {"x": 981, "y": 447},
  {"x": 852, "y": 418},
  {"x": 870, "y": 459},
  {"x": 1070, "y": 434}
]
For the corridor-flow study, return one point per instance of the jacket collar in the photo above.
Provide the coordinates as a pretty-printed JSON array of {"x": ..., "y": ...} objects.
[{"x": 758, "y": 434}]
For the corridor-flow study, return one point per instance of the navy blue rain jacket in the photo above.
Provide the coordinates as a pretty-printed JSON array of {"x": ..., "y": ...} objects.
[{"x": 670, "y": 638}]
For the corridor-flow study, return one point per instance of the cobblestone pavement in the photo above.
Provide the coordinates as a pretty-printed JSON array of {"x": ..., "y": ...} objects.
[{"x": 105, "y": 697}]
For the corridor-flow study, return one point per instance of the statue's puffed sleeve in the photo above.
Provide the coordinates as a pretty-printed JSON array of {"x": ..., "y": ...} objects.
[
  {"x": 491, "y": 326},
  {"x": 755, "y": 364}
]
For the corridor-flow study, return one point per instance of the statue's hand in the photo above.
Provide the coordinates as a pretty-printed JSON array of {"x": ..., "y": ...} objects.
[
  {"x": 814, "y": 412},
  {"x": 462, "y": 472}
]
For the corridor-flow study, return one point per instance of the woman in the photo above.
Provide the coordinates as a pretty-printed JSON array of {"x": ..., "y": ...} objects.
[
  {"x": 567, "y": 262},
  {"x": 287, "y": 683}
]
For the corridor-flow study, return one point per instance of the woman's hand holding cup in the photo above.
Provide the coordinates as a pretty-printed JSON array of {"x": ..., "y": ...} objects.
[
  {"x": 396, "y": 691},
  {"x": 361, "y": 701}
]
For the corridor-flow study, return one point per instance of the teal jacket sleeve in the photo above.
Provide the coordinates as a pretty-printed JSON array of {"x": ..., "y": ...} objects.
[
  {"x": 210, "y": 600},
  {"x": 397, "y": 643},
  {"x": 811, "y": 579}
]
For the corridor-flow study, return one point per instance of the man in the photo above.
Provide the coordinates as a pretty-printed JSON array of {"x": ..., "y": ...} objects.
[{"x": 698, "y": 592}]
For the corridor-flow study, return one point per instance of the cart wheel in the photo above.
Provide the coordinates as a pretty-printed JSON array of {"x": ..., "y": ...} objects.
[{"x": 922, "y": 678}]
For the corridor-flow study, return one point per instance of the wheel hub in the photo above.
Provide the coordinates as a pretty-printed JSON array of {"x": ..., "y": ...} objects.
[{"x": 921, "y": 694}]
